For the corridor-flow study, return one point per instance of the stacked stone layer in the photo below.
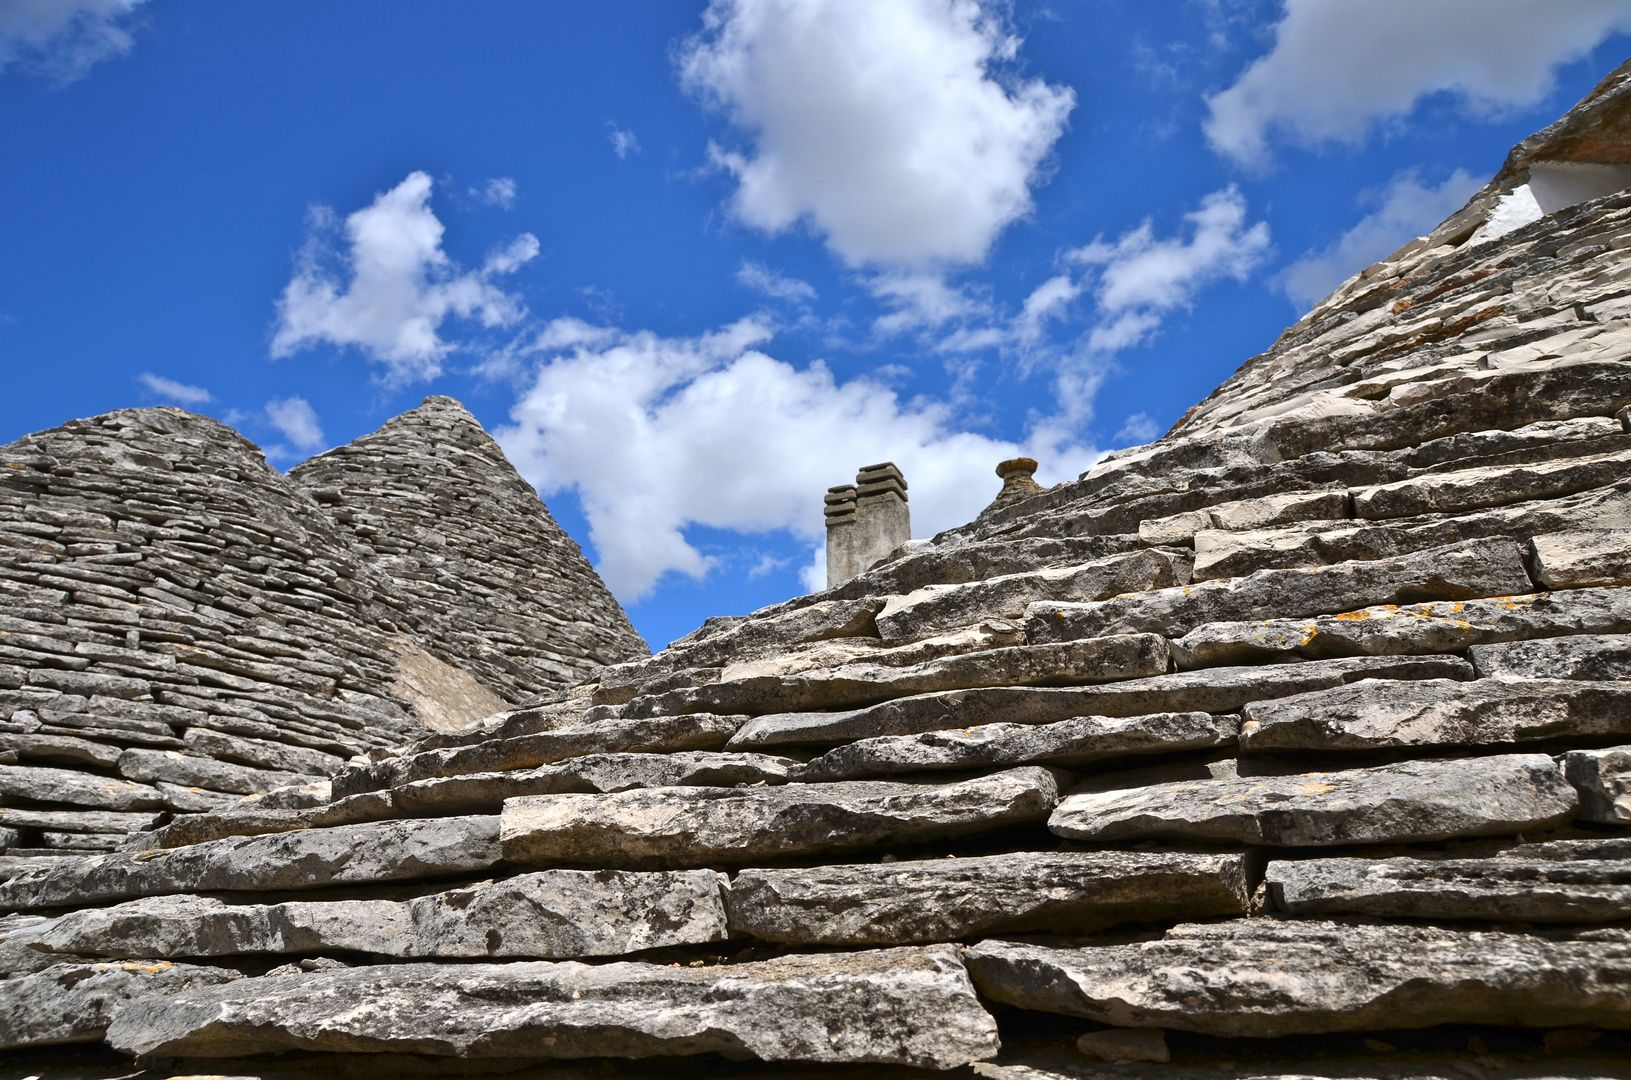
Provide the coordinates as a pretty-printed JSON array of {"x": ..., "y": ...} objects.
[
  {"x": 1308, "y": 721},
  {"x": 182, "y": 627}
]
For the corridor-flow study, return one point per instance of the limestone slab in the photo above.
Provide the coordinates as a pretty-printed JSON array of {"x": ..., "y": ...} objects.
[
  {"x": 91, "y": 821},
  {"x": 1440, "y": 492},
  {"x": 77, "y": 788},
  {"x": 912, "y": 1006},
  {"x": 74, "y": 1003},
  {"x": 1457, "y": 572},
  {"x": 190, "y": 770},
  {"x": 1578, "y": 656},
  {"x": 550, "y": 914},
  {"x": 1582, "y": 558},
  {"x": 697, "y": 731},
  {"x": 1105, "y": 659},
  {"x": 1214, "y": 690},
  {"x": 1567, "y": 881},
  {"x": 311, "y": 858},
  {"x": 684, "y": 827},
  {"x": 1379, "y": 713},
  {"x": 1603, "y": 779},
  {"x": 1411, "y": 802},
  {"x": 1078, "y": 741},
  {"x": 1411, "y": 629},
  {"x": 1263, "y": 978},
  {"x": 952, "y": 899}
]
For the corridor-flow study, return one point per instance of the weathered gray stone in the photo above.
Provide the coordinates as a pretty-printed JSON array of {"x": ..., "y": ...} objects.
[
  {"x": 262, "y": 754},
  {"x": 1105, "y": 659},
  {"x": 309, "y": 859},
  {"x": 1566, "y": 881},
  {"x": 98, "y": 821},
  {"x": 1471, "y": 489},
  {"x": 1603, "y": 779},
  {"x": 1214, "y": 690},
  {"x": 77, "y": 788},
  {"x": 551, "y": 914},
  {"x": 1457, "y": 572},
  {"x": 680, "y": 827},
  {"x": 1247, "y": 514},
  {"x": 1580, "y": 656},
  {"x": 1264, "y": 978},
  {"x": 1077, "y": 741},
  {"x": 1412, "y": 629},
  {"x": 188, "y": 770},
  {"x": 74, "y": 1003},
  {"x": 949, "y": 899},
  {"x": 1582, "y": 559},
  {"x": 937, "y": 608},
  {"x": 1125, "y": 1044},
  {"x": 1378, "y": 713},
  {"x": 696, "y": 731},
  {"x": 910, "y": 1006},
  {"x": 61, "y": 750},
  {"x": 1411, "y": 802}
]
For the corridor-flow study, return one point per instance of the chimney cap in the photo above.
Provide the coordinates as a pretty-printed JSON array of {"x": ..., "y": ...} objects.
[{"x": 1014, "y": 467}]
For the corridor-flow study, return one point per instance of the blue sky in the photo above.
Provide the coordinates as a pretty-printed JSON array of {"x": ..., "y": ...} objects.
[{"x": 693, "y": 263}]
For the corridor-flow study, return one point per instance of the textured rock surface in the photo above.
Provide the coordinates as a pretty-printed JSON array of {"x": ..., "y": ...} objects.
[
  {"x": 1567, "y": 881},
  {"x": 72, "y": 1003},
  {"x": 706, "y": 826},
  {"x": 1603, "y": 779},
  {"x": 1409, "y": 802},
  {"x": 1263, "y": 977},
  {"x": 948, "y": 899},
  {"x": 907, "y": 1006}
]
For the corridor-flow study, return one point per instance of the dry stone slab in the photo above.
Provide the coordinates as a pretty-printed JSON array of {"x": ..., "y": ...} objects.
[
  {"x": 1215, "y": 690},
  {"x": 910, "y": 1006},
  {"x": 1078, "y": 741},
  {"x": 1411, "y": 802},
  {"x": 696, "y": 731},
  {"x": 1580, "y": 656},
  {"x": 937, "y": 608},
  {"x": 1105, "y": 659},
  {"x": 1377, "y": 713},
  {"x": 89, "y": 821},
  {"x": 77, "y": 788},
  {"x": 952, "y": 899},
  {"x": 1603, "y": 779},
  {"x": 551, "y": 914},
  {"x": 1246, "y": 514},
  {"x": 1582, "y": 559},
  {"x": 1412, "y": 629},
  {"x": 1265, "y": 978},
  {"x": 74, "y": 1003},
  {"x": 61, "y": 750},
  {"x": 189, "y": 770},
  {"x": 1472, "y": 489},
  {"x": 1457, "y": 572},
  {"x": 1566, "y": 881},
  {"x": 308, "y": 859},
  {"x": 693, "y": 827}
]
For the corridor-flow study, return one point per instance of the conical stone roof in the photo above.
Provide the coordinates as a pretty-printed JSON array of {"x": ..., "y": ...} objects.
[{"x": 1296, "y": 743}]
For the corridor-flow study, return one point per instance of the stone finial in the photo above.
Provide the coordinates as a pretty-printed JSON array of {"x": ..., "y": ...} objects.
[
  {"x": 865, "y": 521},
  {"x": 1017, "y": 483}
]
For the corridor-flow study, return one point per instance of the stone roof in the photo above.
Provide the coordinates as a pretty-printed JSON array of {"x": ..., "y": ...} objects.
[{"x": 1296, "y": 743}]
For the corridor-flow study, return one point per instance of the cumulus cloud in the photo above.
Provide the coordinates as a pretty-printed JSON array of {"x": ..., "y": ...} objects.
[
  {"x": 656, "y": 434},
  {"x": 1406, "y": 208},
  {"x": 623, "y": 142},
  {"x": 171, "y": 390},
  {"x": 500, "y": 191},
  {"x": 1141, "y": 279},
  {"x": 391, "y": 289},
  {"x": 64, "y": 39},
  {"x": 297, "y": 420},
  {"x": 1338, "y": 68},
  {"x": 773, "y": 283},
  {"x": 889, "y": 128}
]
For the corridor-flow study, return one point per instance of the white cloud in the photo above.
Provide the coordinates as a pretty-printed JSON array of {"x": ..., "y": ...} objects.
[
  {"x": 1141, "y": 278},
  {"x": 500, "y": 191},
  {"x": 1337, "y": 68},
  {"x": 64, "y": 39},
  {"x": 297, "y": 420},
  {"x": 1408, "y": 208},
  {"x": 886, "y": 126},
  {"x": 656, "y": 434},
  {"x": 774, "y": 284},
  {"x": 920, "y": 301},
  {"x": 623, "y": 142},
  {"x": 395, "y": 286},
  {"x": 1136, "y": 430},
  {"x": 175, "y": 391}
]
